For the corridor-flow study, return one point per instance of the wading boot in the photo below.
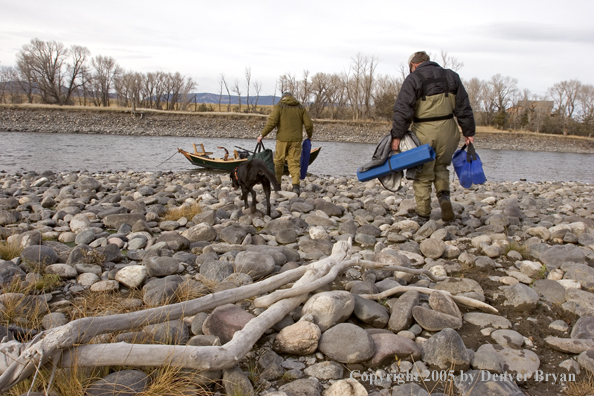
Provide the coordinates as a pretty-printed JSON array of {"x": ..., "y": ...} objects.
[
  {"x": 296, "y": 189},
  {"x": 447, "y": 213}
]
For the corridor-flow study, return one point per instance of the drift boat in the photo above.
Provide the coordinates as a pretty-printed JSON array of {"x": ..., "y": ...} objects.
[{"x": 227, "y": 162}]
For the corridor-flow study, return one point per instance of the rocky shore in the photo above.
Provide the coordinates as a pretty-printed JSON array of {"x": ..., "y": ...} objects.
[
  {"x": 153, "y": 123},
  {"x": 500, "y": 301}
]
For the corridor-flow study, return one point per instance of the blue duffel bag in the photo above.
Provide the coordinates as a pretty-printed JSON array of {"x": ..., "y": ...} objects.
[{"x": 468, "y": 166}]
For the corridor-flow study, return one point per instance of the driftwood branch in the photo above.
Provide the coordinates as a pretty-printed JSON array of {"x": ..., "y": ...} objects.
[
  {"x": 60, "y": 341},
  {"x": 467, "y": 301}
]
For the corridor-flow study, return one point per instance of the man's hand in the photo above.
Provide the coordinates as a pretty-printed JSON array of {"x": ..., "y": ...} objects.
[
  {"x": 260, "y": 139},
  {"x": 395, "y": 144},
  {"x": 468, "y": 140}
]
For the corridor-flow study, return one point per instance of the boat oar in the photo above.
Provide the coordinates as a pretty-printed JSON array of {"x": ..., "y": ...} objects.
[{"x": 244, "y": 149}]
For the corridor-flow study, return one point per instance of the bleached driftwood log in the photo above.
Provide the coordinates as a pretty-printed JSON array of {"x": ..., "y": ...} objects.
[
  {"x": 467, "y": 301},
  {"x": 60, "y": 343}
]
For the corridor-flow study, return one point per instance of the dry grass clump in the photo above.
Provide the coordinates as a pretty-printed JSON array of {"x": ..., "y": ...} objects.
[
  {"x": 101, "y": 304},
  {"x": 8, "y": 251},
  {"x": 186, "y": 210},
  {"x": 518, "y": 247},
  {"x": 24, "y": 310},
  {"x": 44, "y": 284},
  {"x": 583, "y": 387}
]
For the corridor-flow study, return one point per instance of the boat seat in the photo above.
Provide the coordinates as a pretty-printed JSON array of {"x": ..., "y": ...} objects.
[
  {"x": 204, "y": 153},
  {"x": 235, "y": 154}
]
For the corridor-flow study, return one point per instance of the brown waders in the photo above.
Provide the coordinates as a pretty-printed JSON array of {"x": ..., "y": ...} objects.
[
  {"x": 291, "y": 152},
  {"x": 434, "y": 124}
]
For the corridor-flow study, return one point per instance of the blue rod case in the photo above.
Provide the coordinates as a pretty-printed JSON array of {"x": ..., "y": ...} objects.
[{"x": 404, "y": 160}]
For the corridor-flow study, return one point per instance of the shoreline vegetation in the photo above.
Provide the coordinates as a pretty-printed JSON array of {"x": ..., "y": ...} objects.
[{"x": 148, "y": 122}]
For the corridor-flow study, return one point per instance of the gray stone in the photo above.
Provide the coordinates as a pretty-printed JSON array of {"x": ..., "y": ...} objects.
[
  {"x": 197, "y": 323},
  {"x": 161, "y": 291},
  {"x": 233, "y": 234},
  {"x": 443, "y": 303},
  {"x": 236, "y": 382},
  {"x": 462, "y": 286},
  {"x": 132, "y": 276},
  {"x": 161, "y": 266},
  {"x": 508, "y": 338},
  {"x": 347, "y": 343},
  {"x": 446, "y": 351},
  {"x": 401, "y": 312},
  {"x": 114, "y": 221},
  {"x": 582, "y": 273},
  {"x": 409, "y": 389},
  {"x": 39, "y": 255},
  {"x": 390, "y": 347},
  {"x": 329, "y": 308},
  {"x": 254, "y": 264},
  {"x": 204, "y": 340},
  {"x": 484, "y": 383},
  {"x": 549, "y": 290},
  {"x": 586, "y": 360},
  {"x": 325, "y": 370},
  {"x": 435, "y": 321},
  {"x": 173, "y": 332},
  {"x": 271, "y": 366},
  {"x": 286, "y": 236},
  {"x": 432, "y": 248},
  {"x": 64, "y": 271},
  {"x": 516, "y": 361},
  {"x": 520, "y": 297},
  {"x": 54, "y": 319},
  {"x": 487, "y": 320},
  {"x": 558, "y": 255},
  {"x": 174, "y": 241},
  {"x": 224, "y": 321},
  {"x": 216, "y": 270},
  {"x": 121, "y": 383},
  {"x": 302, "y": 387},
  {"x": 370, "y": 312},
  {"x": 300, "y": 338},
  {"x": 8, "y": 270},
  {"x": 583, "y": 328}
]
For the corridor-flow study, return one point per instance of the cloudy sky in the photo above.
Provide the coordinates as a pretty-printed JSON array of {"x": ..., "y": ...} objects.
[{"x": 538, "y": 43}]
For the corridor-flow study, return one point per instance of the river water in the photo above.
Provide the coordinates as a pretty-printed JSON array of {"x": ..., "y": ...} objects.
[{"x": 25, "y": 151}]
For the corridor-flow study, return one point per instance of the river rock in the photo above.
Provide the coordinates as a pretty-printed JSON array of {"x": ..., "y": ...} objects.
[
  {"x": 401, "y": 312},
  {"x": 119, "y": 383},
  {"x": 329, "y": 308},
  {"x": 132, "y": 276},
  {"x": 435, "y": 321},
  {"x": 389, "y": 346},
  {"x": 520, "y": 297},
  {"x": 254, "y": 264},
  {"x": 347, "y": 343},
  {"x": 446, "y": 351},
  {"x": 161, "y": 266},
  {"x": 300, "y": 338},
  {"x": 524, "y": 362},
  {"x": 484, "y": 383},
  {"x": 224, "y": 321}
]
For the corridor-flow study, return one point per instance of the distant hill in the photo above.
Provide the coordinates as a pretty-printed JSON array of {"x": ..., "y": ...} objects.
[{"x": 211, "y": 98}]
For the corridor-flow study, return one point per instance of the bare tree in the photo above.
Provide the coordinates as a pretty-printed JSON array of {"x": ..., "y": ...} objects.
[
  {"x": 248, "y": 79},
  {"x": 368, "y": 84},
  {"x": 586, "y": 102},
  {"x": 54, "y": 68},
  {"x": 224, "y": 82},
  {"x": 449, "y": 62},
  {"x": 387, "y": 89},
  {"x": 105, "y": 70},
  {"x": 257, "y": 87},
  {"x": 26, "y": 78},
  {"x": 236, "y": 88},
  {"x": 305, "y": 90},
  {"x": 9, "y": 86},
  {"x": 128, "y": 87},
  {"x": 565, "y": 96},
  {"x": 221, "y": 79},
  {"x": 503, "y": 91}
]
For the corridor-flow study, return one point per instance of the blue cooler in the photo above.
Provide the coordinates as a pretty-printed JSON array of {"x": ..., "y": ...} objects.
[{"x": 404, "y": 160}]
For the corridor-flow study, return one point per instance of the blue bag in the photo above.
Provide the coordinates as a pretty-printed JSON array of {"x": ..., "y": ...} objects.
[
  {"x": 468, "y": 166},
  {"x": 305, "y": 151}
]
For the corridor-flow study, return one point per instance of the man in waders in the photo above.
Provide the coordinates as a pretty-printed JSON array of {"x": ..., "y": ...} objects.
[
  {"x": 433, "y": 99},
  {"x": 289, "y": 117}
]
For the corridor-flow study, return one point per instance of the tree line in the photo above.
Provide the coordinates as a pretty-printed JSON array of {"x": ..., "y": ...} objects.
[{"x": 49, "y": 72}]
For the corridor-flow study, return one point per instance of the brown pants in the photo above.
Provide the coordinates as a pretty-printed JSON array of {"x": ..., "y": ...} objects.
[{"x": 291, "y": 153}]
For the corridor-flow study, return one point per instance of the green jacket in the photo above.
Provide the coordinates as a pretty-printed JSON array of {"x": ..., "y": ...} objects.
[{"x": 289, "y": 116}]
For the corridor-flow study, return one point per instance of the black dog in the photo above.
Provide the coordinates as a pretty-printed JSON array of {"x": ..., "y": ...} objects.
[{"x": 250, "y": 173}]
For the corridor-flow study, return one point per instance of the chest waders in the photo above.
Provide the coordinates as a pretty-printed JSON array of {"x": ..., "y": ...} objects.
[{"x": 434, "y": 124}]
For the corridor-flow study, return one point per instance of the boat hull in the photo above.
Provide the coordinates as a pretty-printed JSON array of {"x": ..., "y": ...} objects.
[{"x": 230, "y": 164}]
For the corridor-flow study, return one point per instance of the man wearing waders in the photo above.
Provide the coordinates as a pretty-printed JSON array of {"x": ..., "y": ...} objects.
[{"x": 433, "y": 99}]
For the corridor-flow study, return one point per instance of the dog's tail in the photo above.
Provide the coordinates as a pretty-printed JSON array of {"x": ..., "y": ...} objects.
[{"x": 270, "y": 176}]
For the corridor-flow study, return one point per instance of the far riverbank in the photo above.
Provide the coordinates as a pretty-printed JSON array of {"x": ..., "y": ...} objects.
[{"x": 53, "y": 119}]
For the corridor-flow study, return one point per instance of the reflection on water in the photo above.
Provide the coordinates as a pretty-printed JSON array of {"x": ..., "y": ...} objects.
[{"x": 21, "y": 151}]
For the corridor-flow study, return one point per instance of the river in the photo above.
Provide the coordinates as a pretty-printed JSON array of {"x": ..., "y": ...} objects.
[{"x": 30, "y": 151}]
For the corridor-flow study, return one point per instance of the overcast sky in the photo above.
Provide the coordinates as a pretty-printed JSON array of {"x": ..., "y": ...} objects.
[{"x": 539, "y": 43}]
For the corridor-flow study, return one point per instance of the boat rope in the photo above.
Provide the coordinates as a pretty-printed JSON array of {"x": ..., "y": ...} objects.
[{"x": 166, "y": 160}]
